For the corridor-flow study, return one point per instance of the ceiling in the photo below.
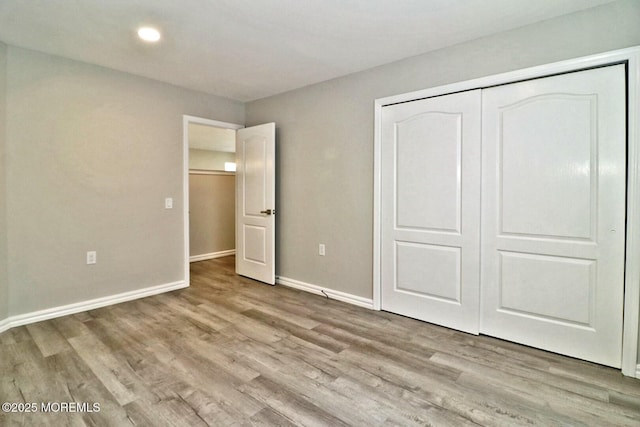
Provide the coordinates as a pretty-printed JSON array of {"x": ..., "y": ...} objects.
[{"x": 250, "y": 49}]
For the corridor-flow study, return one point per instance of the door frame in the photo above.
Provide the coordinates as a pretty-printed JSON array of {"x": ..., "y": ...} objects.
[
  {"x": 631, "y": 58},
  {"x": 186, "y": 120}
]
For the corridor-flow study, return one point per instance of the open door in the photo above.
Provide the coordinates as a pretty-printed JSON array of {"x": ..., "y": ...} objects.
[{"x": 255, "y": 202}]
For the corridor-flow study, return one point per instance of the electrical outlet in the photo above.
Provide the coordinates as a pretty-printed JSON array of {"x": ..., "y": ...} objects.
[
  {"x": 168, "y": 203},
  {"x": 92, "y": 257},
  {"x": 321, "y": 249}
]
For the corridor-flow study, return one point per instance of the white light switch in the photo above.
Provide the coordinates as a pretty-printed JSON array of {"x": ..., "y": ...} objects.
[
  {"x": 92, "y": 257},
  {"x": 168, "y": 203},
  {"x": 321, "y": 249}
]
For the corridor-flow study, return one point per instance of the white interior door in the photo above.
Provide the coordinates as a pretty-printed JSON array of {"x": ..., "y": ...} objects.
[
  {"x": 431, "y": 209},
  {"x": 255, "y": 202},
  {"x": 553, "y": 215}
]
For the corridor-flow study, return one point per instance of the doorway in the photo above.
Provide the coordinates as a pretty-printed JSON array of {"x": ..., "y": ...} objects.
[
  {"x": 208, "y": 172},
  {"x": 254, "y": 190}
]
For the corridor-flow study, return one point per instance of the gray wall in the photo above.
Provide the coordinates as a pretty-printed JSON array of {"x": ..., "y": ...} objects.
[
  {"x": 325, "y": 136},
  {"x": 92, "y": 153},
  {"x": 212, "y": 213},
  {"x": 4, "y": 285}
]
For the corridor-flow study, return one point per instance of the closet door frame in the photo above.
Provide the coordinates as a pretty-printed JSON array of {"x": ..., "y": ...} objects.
[{"x": 631, "y": 58}]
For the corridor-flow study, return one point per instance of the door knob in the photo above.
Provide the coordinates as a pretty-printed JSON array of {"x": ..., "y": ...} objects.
[{"x": 269, "y": 211}]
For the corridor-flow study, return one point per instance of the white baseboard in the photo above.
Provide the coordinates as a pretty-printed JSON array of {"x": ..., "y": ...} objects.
[
  {"x": 212, "y": 255},
  {"x": 319, "y": 290},
  {"x": 50, "y": 313},
  {"x": 638, "y": 371}
]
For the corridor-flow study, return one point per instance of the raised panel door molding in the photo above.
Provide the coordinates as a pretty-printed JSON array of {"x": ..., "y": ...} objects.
[
  {"x": 428, "y": 184},
  {"x": 440, "y": 264},
  {"x": 548, "y": 147},
  {"x": 567, "y": 288}
]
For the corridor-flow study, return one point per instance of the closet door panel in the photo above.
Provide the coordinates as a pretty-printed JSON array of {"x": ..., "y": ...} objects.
[
  {"x": 430, "y": 209},
  {"x": 553, "y": 213}
]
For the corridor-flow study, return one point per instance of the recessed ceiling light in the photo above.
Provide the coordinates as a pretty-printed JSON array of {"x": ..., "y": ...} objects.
[{"x": 149, "y": 34}]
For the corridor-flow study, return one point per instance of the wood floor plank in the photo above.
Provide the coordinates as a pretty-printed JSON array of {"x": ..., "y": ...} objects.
[
  {"x": 399, "y": 410},
  {"x": 599, "y": 407},
  {"x": 243, "y": 324},
  {"x": 69, "y": 326},
  {"x": 80, "y": 384},
  {"x": 192, "y": 314},
  {"x": 311, "y": 336},
  {"x": 115, "y": 376},
  {"x": 290, "y": 404},
  {"x": 229, "y": 351},
  {"x": 513, "y": 367},
  {"x": 196, "y": 372},
  {"x": 15, "y": 335},
  {"x": 210, "y": 353},
  {"x": 270, "y": 418},
  {"x": 47, "y": 338},
  {"x": 282, "y": 313}
]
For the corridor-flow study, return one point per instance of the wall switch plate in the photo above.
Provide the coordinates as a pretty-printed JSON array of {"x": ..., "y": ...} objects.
[
  {"x": 321, "y": 249},
  {"x": 92, "y": 257},
  {"x": 168, "y": 203}
]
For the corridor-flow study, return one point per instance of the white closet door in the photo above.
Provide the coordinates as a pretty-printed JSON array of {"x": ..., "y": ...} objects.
[
  {"x": 431, "y": 209},
  {"x": 553, "y": 213}
]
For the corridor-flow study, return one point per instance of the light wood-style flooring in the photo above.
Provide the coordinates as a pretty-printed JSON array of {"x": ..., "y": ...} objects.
[{"x": 231, "y": 351}]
